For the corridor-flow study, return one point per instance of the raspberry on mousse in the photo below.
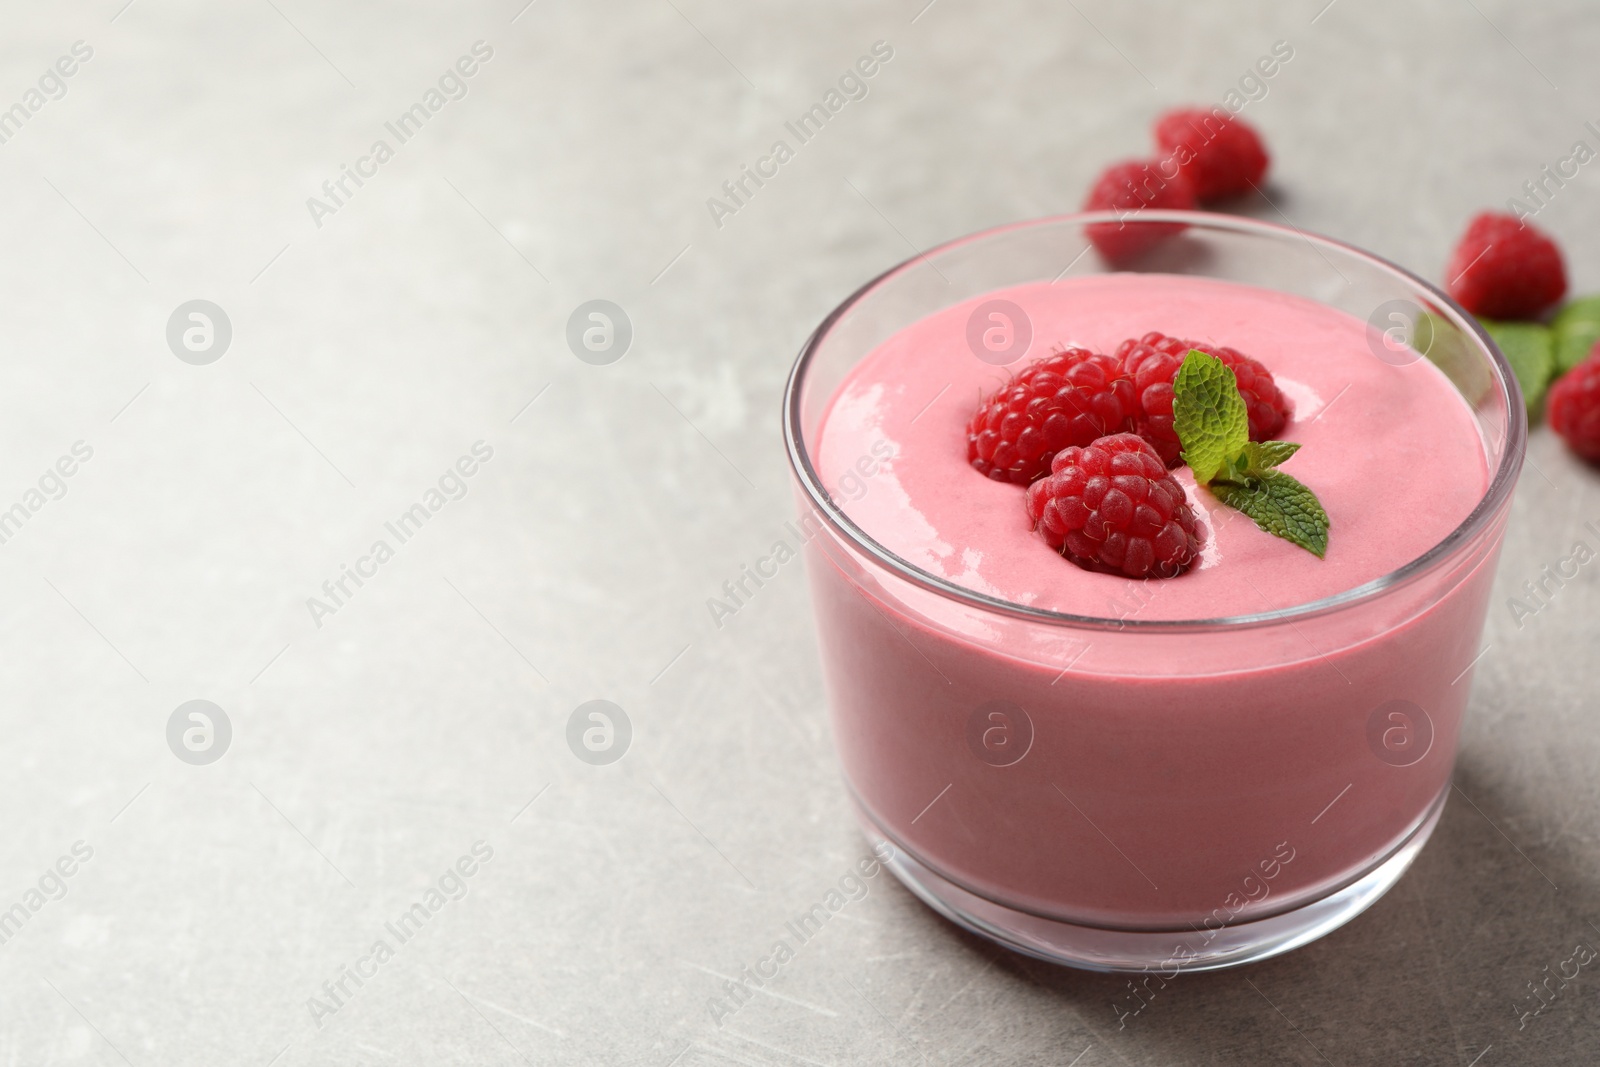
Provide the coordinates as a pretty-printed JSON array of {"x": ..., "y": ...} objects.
[
  {"x": 1113, "y": 507},
  {"x": 1152, "y": 361},
  {"x": 1069, "y": 398}
]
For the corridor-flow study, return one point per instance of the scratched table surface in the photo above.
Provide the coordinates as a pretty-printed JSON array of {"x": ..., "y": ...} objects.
[{"x": 328, "y": 506}]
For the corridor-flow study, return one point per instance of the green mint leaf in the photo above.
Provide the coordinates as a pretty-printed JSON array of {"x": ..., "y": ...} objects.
[
  {"x": 1281, "y": 506},
  {"x": 1208, "y": 414},
  {"x": 1529, "y": 349},
  {"x": 1577, "y": 328},
  {"x": 1213, "y": 426},
  {"x": 1261, "y": 456}
]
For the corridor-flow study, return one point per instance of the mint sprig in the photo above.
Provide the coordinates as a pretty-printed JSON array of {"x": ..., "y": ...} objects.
[{"x": 1213, "y": 426}]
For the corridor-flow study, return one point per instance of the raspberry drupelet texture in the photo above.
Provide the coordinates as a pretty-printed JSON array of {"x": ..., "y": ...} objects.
[
  {"x": 1113, "y": 507},
  {"x": 1069, "y": 398},
  {"x": 1504, "y": 268},
  {"x": 1127, "y": 188},
  {"x": 1573, "y": 407},
  {"x": 1218, "y": 154},
  {"x": 1152, "y": 361}
]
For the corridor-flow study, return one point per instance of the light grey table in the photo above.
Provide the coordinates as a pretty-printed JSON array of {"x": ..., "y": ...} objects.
[{"x": 377, "y": 739}]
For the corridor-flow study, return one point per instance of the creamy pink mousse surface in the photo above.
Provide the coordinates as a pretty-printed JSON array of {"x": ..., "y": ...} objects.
[
  {"x": 1168, "y": 773},
  {"x": 1371, "y": 437}
]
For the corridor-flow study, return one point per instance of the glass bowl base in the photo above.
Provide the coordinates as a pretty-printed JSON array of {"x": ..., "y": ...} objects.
[{"x": 1099, "y": 949}]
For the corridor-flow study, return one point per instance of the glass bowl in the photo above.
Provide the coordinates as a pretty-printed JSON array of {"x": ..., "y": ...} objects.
[{"x": 1069, "y": 785}]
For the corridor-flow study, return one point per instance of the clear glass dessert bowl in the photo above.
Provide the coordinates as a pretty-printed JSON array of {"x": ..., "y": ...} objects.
[{"x": 1121, "y": 790}]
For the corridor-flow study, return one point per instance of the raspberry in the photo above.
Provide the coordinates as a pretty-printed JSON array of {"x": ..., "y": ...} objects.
[
  {"x": 1069, "y": 398},
  {"x": 1152, "y": 362},
  {"x": 1573, "y": 407},
  {"x": 1218, "y": 154},
  {"x": 1128, "y": 188},
  {"x": 1505, "y": 269},
  {"x": 1113, "y": 507}
]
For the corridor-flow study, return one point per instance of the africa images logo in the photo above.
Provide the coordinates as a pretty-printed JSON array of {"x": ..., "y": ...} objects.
[
  {"x": 52, "y": 86},
  {"x": 451, "y": 886},
  {"x": 452, "y": 85}
]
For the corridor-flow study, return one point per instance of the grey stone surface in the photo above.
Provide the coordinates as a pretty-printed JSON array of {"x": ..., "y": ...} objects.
[{"x": 373, "y": 745}]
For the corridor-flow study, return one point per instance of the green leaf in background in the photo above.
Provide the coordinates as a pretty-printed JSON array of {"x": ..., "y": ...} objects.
[
  {"x": 1530, "y": 349},
  {"x": 1281, "y": 506},
  {"x": 1576, "y": 328},
  {"x": 1449, "y": 350},
  {"x": 1208, "y": 414}
]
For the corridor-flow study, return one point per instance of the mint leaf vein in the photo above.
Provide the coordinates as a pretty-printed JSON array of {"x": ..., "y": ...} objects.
[
  {"x": 1264, "y": 455},
  {"x": 1208, "y": 414},
  {"x": 1281, "y": 506}
]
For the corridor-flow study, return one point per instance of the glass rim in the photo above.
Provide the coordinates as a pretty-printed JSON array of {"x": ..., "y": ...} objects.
[{"x": 1489, "y": 505}]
